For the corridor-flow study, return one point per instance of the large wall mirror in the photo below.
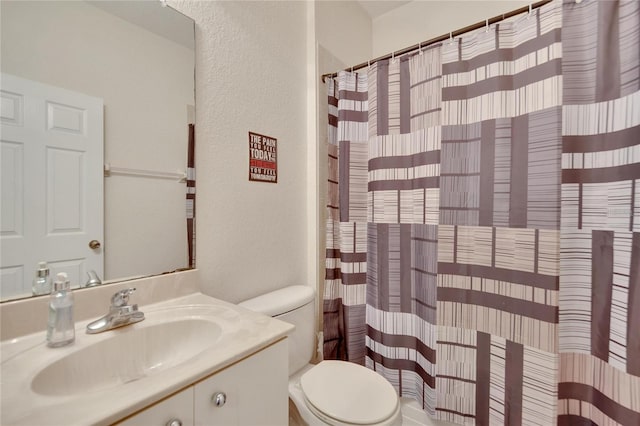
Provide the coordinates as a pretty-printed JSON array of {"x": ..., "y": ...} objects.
[{"x": 97, "y": 98}]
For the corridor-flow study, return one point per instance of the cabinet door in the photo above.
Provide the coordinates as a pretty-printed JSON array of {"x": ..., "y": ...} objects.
[
  {"x": 255, "y": 391},
  {"x": 177, "y": 408}
]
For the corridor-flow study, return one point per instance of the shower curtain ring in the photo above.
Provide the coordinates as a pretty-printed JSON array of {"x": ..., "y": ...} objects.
[
  {"x": 369, "y": 64},
  {"x": 530, "y": 8},
  {"x": 486, "y": 21}
]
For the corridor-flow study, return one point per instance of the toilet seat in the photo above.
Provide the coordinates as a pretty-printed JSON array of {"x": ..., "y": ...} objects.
[{"x": 343, "y": 393}]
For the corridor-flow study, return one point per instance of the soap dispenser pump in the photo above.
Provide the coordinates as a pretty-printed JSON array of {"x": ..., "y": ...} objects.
[
  {"x": 42, "y": 282},
  {"x": 61, "y": 328}
]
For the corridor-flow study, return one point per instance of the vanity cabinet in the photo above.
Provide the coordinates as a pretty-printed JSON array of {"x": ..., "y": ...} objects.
[{"x": 253, "y": 391}]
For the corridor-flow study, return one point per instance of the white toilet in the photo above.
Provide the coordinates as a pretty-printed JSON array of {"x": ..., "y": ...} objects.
[{"x": 331, "y": 392}]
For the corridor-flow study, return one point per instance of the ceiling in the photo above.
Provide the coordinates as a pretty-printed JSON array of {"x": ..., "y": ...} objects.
[{"x": 376, "y": 8}]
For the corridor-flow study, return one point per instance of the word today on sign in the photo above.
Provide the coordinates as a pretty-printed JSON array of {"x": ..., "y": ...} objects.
[{"x": 263, "y": 158}]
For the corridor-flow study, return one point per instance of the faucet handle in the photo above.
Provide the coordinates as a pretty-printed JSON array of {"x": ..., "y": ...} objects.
[{"x": 121, "y": 298}]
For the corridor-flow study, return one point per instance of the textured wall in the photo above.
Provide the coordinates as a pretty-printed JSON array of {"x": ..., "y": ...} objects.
[{"x": 250, "y": 76}]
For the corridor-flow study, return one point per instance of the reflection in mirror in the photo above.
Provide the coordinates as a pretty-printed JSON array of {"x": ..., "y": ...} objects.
[{"x": 88, "y": 86}]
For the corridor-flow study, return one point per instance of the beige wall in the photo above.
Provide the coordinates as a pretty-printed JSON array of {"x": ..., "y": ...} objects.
[
  {"x": 250, "y": 76},
  {"x": 146, "y": 82},
  {"x": 422, "y": 20},
  {"x": 344, "y": 29}
]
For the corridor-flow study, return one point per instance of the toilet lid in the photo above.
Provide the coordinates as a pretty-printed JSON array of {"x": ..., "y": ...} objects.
[{"x": 349, "y": 393}]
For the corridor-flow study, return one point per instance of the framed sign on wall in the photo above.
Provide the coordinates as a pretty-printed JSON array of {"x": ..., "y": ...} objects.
[{"x": 263, "y": 158}]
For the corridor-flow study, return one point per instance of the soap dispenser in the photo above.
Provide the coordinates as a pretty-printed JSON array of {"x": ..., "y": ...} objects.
[
  {"x": 42, "y": 282},
  {"x": 61, "y": 328}
]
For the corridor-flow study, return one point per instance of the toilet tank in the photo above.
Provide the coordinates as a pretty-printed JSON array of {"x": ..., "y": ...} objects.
[{"x": 295, "y": 305}]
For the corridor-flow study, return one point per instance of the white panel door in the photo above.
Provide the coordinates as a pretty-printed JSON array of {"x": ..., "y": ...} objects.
[{"x": 52, "y": 183}]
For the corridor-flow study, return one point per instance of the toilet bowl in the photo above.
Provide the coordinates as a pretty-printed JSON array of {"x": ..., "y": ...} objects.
[
  {"x": 336, "y": 393},
  {"x": 343, "y": 393}
]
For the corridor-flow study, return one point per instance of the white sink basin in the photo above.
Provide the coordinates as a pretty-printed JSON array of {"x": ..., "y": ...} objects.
[
  {"x": 127, "y": 355},
  {"x": 102, "y": 378}
]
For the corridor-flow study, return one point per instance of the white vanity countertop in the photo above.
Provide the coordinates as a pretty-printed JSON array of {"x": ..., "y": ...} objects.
[{"x": 240, "y": 334}]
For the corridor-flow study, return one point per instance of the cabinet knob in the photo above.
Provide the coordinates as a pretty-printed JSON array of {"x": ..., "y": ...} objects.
[
  {"x": 219, "y": 399},
  {"x": 174, "y": 422}
]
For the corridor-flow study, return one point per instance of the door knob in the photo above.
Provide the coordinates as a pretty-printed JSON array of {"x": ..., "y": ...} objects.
[{"x": 94, "y": 244}]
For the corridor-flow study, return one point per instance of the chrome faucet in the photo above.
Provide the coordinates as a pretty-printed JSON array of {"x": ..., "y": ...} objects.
[{"x": 120, "y": 313}]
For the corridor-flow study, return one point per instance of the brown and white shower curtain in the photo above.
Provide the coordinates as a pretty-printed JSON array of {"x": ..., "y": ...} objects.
[
  {"x": 402, "y": 203},
  {"x": 483, "y": 240},
  {"x": 599, "y": 331},
  {"x": 346, "y": 228},
  {"x": 191, "y": 195},
  {"x": 498, "y": 237}
]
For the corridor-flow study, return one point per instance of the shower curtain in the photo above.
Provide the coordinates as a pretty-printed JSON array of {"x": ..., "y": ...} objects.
[
  {"x": 599, "y": 332},
  {"x": 483, "y": 245}
]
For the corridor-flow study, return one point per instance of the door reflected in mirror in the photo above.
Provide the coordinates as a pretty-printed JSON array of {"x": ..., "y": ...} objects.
[{"x": 84, "y": 85}]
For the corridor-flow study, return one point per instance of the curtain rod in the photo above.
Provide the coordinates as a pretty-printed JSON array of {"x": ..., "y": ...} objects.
[{"x": 444, "y": 37}]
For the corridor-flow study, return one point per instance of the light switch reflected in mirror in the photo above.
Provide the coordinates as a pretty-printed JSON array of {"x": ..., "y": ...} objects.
[{"x": 86, "y": 84}]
